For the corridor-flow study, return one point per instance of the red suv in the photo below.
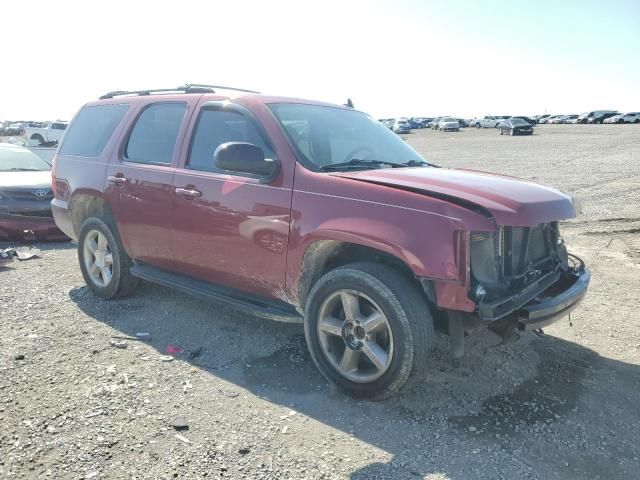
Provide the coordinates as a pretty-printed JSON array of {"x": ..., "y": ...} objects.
[{"x": 306, "y": 211}]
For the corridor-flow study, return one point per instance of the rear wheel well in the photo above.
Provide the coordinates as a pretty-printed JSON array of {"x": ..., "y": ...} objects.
[
  {"x": 86, "y": 206},
  {"x": 326, "y": 255}
]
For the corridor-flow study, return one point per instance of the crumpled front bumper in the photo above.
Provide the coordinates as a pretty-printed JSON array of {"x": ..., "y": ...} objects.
[
  {"x": 548, "y": 300},
  {"x": 555, "y": 306},
  {"x": 29, "y": 228}
]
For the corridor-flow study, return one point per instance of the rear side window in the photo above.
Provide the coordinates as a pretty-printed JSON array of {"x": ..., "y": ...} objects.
[
  {"x": 154, "y": 135},
  {"x": 216, "y": 127},
  {"x": 58, "y": 126},
  {"x": 91, "y": 130}
]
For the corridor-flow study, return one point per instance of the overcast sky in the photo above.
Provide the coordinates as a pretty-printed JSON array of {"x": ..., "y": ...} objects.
[{"x": 412, "y": 58}]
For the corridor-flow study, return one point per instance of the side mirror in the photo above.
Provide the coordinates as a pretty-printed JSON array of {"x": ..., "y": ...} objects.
[{"x": 245, "y": 157}]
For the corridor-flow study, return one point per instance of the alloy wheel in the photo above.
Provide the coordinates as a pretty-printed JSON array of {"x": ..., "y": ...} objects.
[
  {"x": 355, "y": 336},
  {"x": 98, "y": 258}
]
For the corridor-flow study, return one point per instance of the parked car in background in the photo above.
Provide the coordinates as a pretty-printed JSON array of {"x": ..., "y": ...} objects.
[
  {"x": 602, "y": 117},
  {"x": 448, "y": 124},
  {"x": 372, "y": 241},
  {"x": 631, "y": 117},
  {"x": 515, "y": 126},
  {"x": 13, "y": 129},
  {"x": 462, "y": 122},
  {"x": 530, "y": 121},
  {"x": 427, "y": 121},
  {"x": 51, "y": 132},
  {"x": 389, "y": 123},
  {"x": 435, "y": 123},
  {"x": 570, "y": 119},
  {"x": 415, "y": 123},
  {"x": 556, "y": 119},
  {"x": 488, "y": 121},
  {"x": 25, "y": 196},
  {"x": 401, "y": 126},
  {"x": 596, "y": 116},
  {"x": 538, "y": 118}
]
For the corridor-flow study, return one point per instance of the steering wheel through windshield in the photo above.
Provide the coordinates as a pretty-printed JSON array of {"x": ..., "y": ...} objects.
[{"x": 363, "y": 151}]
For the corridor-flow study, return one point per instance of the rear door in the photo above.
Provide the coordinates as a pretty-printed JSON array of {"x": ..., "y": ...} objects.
[
  {"x": 140, "y": 177},
  {"x": 230, "y": 229}
]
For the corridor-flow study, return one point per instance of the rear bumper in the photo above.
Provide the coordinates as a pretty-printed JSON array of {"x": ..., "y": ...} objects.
[
  {"x": 62, "y": 217},
  {"x": 28, "y": 229},
  {"x": 549, "y": 299}
]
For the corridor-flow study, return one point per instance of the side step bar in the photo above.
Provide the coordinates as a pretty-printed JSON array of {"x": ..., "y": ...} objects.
[{"x": 272, "y": 309}]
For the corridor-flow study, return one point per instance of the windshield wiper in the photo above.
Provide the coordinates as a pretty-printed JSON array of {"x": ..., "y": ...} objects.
[
  {"x": 355, "y": 163},
  {"x": 17, "y": 169},
  {"x": 413, "y": 163}
]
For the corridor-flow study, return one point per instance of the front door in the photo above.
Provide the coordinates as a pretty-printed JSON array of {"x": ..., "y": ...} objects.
[
  {"x": 140, "y": 178},
  {"x": 230, "y": 229}
]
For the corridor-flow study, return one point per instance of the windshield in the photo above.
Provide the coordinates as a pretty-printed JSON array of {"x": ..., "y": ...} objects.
[
  {"x": 519, "y": 121},
  {"x": 449, "y": 119},
  {"x": 20, "y": 159},
  {"x": 324, "y": 135}
]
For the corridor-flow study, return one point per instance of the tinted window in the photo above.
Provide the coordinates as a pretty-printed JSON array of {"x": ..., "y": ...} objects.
[
  {"x": 58, "y": 126},
  {"x": 91, "y": 130},
  {"x": 154, "y": 135},
  {"x": 216, "y": 127}
]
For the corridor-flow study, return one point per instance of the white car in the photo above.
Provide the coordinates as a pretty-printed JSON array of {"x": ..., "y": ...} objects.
[
  {"x": 631, "y": 117},
  {"x": 448, "y": 123},
  {"x": 50, "y": 133},
  {"x": 488, "y": 121},
  {"x": 556, "y": 119}
]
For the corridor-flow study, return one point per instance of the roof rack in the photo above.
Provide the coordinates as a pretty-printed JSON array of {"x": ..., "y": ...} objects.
[{"x": 187, "y": 88}]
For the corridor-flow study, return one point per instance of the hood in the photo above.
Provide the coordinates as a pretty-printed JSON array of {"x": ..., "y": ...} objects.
[
  {"x": 25, "y": 179},
  {"x": 508, "y": 200}
]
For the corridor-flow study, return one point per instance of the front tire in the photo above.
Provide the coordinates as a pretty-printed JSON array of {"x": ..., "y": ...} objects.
[
  {"x": 369, "y": 330},
  {"x": 104, "y": 263}
]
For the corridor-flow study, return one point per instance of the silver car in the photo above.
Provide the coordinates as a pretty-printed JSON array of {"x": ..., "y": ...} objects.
[{"x": 448, "y": 124}]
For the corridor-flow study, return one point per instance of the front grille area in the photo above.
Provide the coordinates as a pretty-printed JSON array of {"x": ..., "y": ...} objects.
[
  {"x": 508, "y": 260},
  {"x": 36, "y": 194}
]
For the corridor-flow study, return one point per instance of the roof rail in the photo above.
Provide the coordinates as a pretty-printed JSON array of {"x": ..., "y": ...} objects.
[{"x": 187, "y": 88}]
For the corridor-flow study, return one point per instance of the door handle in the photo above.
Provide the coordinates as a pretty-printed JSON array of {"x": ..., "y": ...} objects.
[
  {"x": 117, "y": 179},
  {"x": 189, "y": 192}
]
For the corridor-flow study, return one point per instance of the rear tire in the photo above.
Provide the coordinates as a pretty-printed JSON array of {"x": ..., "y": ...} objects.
[
  {"x": 38, "y": 138},
  {"x": 104, "y": 263},
  {"x": 373, "y": 362}
]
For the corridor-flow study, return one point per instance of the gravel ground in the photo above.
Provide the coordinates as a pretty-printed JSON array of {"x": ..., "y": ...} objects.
[{"x": 82, "y": 397}]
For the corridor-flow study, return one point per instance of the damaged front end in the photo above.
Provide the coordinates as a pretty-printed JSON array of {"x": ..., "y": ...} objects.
[
  {"x": 523, "y": 277},
  {"x": 25, "y": 215}
]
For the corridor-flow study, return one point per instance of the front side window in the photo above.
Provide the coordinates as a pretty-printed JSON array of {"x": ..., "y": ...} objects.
[
  {"x": 91, "y": 129},
  {"x": 58, "y": 126},
  {"x": 324, "y": 136},
  {"x": 216, "y": 127},
  {"x": 153, "y": 138}
]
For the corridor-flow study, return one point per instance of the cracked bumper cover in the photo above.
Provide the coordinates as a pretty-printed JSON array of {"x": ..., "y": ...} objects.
[{"x": 548, "y": 300}]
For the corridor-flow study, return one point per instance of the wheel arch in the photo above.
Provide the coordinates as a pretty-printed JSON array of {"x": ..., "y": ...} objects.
[
  {"x": 87, "y": 204},
  {"x": 322, "y": 256}
]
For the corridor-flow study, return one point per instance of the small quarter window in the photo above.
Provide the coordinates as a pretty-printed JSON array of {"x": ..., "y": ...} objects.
[
  {"x": 216, "y": 127},
  {"x": 91, "y": 130},
  {"x": 153, "y": 138}
]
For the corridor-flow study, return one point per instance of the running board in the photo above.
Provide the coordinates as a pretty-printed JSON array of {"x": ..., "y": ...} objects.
[{"x": 263, "y": 307}]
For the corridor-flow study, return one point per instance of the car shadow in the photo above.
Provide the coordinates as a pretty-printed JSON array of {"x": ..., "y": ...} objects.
[{"x": 515, "y": 402}]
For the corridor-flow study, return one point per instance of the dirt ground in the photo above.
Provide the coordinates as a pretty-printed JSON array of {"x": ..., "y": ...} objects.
[{"x": 75, "y": 404}]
